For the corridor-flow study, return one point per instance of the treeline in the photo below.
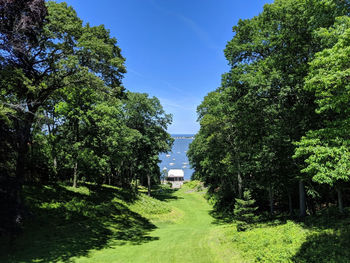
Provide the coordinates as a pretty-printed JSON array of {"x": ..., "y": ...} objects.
[
  {"x": 279, "y": 124},
  {"x": 64, "y": 114}
]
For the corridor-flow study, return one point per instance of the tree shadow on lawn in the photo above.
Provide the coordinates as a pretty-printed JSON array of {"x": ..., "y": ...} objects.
[
  {"x": 165, "y": 194},
  {"x": 220, "y": 218},
  {"x": 69, "y": 224},
  {"x": 330, "y": 241},
  {"x": 325, "y": 247}
]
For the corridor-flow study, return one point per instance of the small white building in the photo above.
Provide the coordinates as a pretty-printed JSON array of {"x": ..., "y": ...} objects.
[{"x": 175, "y": 177}]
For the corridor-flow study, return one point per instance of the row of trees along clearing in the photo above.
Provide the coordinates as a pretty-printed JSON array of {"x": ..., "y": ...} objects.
[
  {"x": 279, "y": 123},
  {"x": 64, "y": 114}
]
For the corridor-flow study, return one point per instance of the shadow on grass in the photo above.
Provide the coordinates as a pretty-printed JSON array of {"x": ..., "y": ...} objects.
[
  {"x": 165, "y": 194},
  {"x": 221, "y": 218},
  {"x": 330, "y": 240},
  {"x": 325, "y": 247},
  {"x": 69, "y": 224}
]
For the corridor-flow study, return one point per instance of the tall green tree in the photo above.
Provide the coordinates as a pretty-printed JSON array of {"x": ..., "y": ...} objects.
[
  {"x": 44, "y": 49},
  {"x": 262, "y": 108},
  {"x": 327, "y": 149},
  {"x": 147, "y": 116}
]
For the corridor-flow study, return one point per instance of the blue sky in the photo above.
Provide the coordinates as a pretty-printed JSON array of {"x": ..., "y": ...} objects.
[{"x": 173, "y": 48}]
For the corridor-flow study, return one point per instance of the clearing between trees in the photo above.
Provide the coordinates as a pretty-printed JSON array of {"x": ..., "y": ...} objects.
[{"x": 107, "y": 224}]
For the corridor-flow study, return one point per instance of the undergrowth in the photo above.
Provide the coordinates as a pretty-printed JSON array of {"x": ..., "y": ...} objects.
[
  {"x": 194, "y": 185},
  {"x": 319, "y": 239}
]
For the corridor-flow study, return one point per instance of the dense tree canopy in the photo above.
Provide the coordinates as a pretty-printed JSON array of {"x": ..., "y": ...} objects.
[
  {"x": 327, "y": 149},
  {"x": 64, "y": 114},
  {"x": 269, "y": 100}
]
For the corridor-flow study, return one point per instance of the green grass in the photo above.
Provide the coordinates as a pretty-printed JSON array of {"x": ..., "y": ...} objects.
[
  {"x": 67, "y": 222},
  {"x": 186, "y": 239},
  {"x": 91, "y": 224},
  {"x": 321, "y": 238}
]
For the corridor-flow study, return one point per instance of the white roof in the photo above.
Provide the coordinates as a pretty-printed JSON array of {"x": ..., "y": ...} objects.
[{"x": 176, "y": 173}]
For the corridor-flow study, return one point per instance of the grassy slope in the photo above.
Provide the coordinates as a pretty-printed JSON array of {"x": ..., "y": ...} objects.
[
  {"x": 89, "y": 225},
  {"x": 68, "y": 222},
  {"x": 190, "y": 238}
]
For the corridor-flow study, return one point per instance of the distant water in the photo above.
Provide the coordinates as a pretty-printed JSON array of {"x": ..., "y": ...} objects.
[{"x": 177, "y": 159}]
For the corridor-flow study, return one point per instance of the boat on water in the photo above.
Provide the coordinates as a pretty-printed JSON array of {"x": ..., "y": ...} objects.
[
  {"x": 184, "y": 163},
  {"x": 171, "y": 164},
  {"x": 168, "y": 155},
  {"x": 184, "y": 166},
  {"x": 173, "y": 159}
]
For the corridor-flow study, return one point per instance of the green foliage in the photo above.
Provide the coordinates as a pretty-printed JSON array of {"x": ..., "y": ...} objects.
[
  {"x": 320, "y": 238},
  {"x": 193, "y": 184},
  {"x": 145, "y": 115},
  {"x": 288, "y": 64},
  {"x": 328, "y": 160},
  {"x": 65, "y": 114},
  {"x": 276, "y": 243},
  {"x": 325, "y": 150},
  {"x": 244, "y": 211}
]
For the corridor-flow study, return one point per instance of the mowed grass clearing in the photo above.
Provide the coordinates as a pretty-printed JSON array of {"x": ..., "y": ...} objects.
[
  {"x": 91, "y": 224},
  {"x": 107, "y": 224},
  {"x": 186, "y": 235}
]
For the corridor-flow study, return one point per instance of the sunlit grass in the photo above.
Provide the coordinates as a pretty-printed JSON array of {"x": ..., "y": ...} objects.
[
  {"x": 107, "y": 224},
  {"x": 321, "y": 238}
]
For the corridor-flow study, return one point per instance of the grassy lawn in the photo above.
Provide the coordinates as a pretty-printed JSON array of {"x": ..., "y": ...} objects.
[
  {"x": 90, "y": 225},
  {"x": 185, "y": 235}
]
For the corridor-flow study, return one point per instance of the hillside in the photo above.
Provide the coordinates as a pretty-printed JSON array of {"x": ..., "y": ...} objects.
[{"x": 107, "y": 224}]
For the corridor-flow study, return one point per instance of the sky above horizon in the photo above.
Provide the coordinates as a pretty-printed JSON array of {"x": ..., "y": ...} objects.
[{"x": 173, "y": 48}]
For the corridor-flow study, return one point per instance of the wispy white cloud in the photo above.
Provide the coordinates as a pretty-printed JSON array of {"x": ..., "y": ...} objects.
[
  {"x": 162, "y": 82},
  {"x": 199, "y": 31},
  {"x": 169, "y": 103},
  {"x": 136, "y": 73},
  {"x": 192, "y": 25},
  {"x": 184, "y": 115},
  {"x": 170, "y": 86}
]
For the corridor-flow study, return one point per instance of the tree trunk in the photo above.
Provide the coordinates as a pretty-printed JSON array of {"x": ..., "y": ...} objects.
[
  {"x": 239, "y": 181},
  {"x": 53, "y": 149},
  {"x": 340, "y": 200},
  {"x": 23, "y": 139},
  {"x": 302, "y": 205},
  {"x": 55, "y": 165},
  {"x": 149, "y": 184},
  {"x": 310, "y": 204},
  {"x": 290, "y": 203},
  {"x": 271, "y": 199},
  {"x": 75, "y": 174}
]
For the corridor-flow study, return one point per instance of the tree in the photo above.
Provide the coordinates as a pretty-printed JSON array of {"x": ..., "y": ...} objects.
[
  {"x": 21, "y": 22},
  {"x": 327, "y": 149},
  {"x": 44, "y": 50},
  {"x": 262, "y": 108},
  {"x": 147, "y": 116},
  {"x": 244, "y": 211}
]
